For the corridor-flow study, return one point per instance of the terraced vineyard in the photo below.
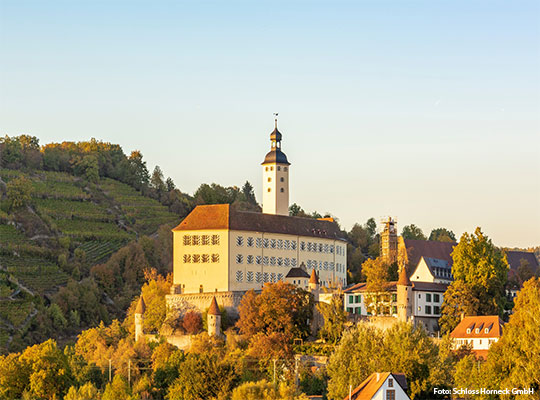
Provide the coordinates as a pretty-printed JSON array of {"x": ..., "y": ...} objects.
[
  {"x": 76, "y": 215},
  {"x": 145, "y": 214}
]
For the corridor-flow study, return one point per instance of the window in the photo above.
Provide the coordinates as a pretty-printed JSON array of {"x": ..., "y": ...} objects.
[
  {"x": 293, "y": 262},
  {"x": 269, "y": 189},
  {"x": 269, "y": 179},
  {"x": 278, "y": 168},
  {"x": 258, "y": 242},
  {"x": 187, "y": 240},
  {"x": 266, "y": 169},
  {"x": 280, "y": 261},
  {"x": 390, "y": 382},
  {"x": 272, "y": 260},
  {"x": 273, "y": 277},
  {"x": 303, "y": 246},
  {"x": 309, "y": 246},
  {"x": 279, "y": 276},
  {"x": 258, "y": 260},
  {"x": 201, "y": 289},
  {"x": 215, "y": 239},
  {"x": 258, "y": 277},
  {"x": 391, "y": 395},
  {"x": 419, "y": 295},
  {"x": 285, "y": 169},
  {"x": 394, "y": 310},
  {"x": 394, "y": 297},
  {"x": 326, "y": 248},
  {"x": 351, "y": 299},
  {"x": 287, "y": 244},
  {"x": 320, "y": 265},
  {"x": 239, "y": 241},
  {"x": 286, "y": 261},
  {"x": 326, "y": 265},
  {"x": 196, "y": 240},
  {"x": 215, "y": 258},
  {"x": 332, "y": 249},
  {"x": 293, "y": 245},
  {"x": 250, "y": 242},
  {"x": 282, "y": 179},
  {"x": 350, "y": 310},
  {"x": 308, "y": 263},
  {"x": 265, "y": 243},
  {"x": 271, "y": 168},
  {"x": 428, "y": 297},
  {"x": 436, "y": 310},
  {"x": 282, "y": 190},
  {"x": 468, "y": 330},
  {"x": 239, "y": 258},
  {"x": 205, "y": 240},
  {"x": 273, "y": 243},
  {"x": 280, "y": 244},
  {"x": 239, "y": 276},
  {"x": 187, "y": 258},
  {"x": 206, "y": 258},
  {"x": 196, "y": 258},
  {"x": 320, "y": 248},
  {"x": 436, "y": 298},
  {"x": 358, "y": 299},
  {"x": 249, "y": 276},
  {"x": 428, "y": 309},
  {"x": 486, "y": 330},
  {"x": 265, "y": 277},
  {"x": 265, "y": 260},
  {"x": 331, "y": 266},
  {"x": 249, "y": 259}
]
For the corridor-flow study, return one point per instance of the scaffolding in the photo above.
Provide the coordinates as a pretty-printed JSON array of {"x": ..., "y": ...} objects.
[{"x": 389, "y": 241}]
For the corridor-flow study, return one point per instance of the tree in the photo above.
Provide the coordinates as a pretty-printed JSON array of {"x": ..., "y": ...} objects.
[
  {"x": 365, "y": 349},
  {"x": 295, "y": 210},
  {"x": 203, "y": 376},
  {"x": 263, "y": 390},
  {"x": 139, "y": 170},
  {"x": 18, "y": 193},
  {"x": 192, "y": 322},
  {"x": 156, "y": 182},
  {"x": 412, "y": 232},
  {"x": 169, "y": 183},
  {"x": 87, "y": 167},
  {"x": 442, "y": 235},
  {"x": 334, "y": 319},
  {"x": 482, "y": 266},
  {"x": 249, "y": 194},
  {"x": 376, "y": 273},
  {"x": 118, "y": 389},
  {"x": 459, "y": 299},
  {"x": 513, "y": 361},
  {"x": 86, "y": 392}
]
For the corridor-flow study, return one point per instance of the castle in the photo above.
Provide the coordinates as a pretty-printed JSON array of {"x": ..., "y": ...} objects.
[{"x": 220, "y": 252}]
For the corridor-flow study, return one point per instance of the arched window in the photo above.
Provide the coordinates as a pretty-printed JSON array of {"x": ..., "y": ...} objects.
[{"x": 282, "y": 190}]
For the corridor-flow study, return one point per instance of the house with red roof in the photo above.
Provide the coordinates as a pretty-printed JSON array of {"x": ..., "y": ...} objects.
[
  {"x": 477, "y": 332},
  {"x": 381, "y": 386}
]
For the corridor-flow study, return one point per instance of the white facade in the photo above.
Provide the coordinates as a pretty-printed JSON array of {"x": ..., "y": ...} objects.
[
  {"x": 475, "y": 343},
  {"x": 276, "y": 188},
  {"x": 390, "y": 389}
]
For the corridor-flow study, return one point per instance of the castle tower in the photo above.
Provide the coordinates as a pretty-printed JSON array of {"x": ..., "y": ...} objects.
[
  {"x": 275, "y": 177},
  {"x": 404, "y": 296},
  {"x": 313, "y": 284},
  {"x": 214, "y": 319},
  {"x": 139, "y": 318},
  {"x": 389, "y": 241}
]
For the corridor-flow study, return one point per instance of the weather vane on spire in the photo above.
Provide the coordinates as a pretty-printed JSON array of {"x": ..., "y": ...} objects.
[{"x": 275, "y": 118}]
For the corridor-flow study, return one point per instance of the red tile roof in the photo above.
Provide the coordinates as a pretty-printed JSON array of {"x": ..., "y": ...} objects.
[
  {"x": 314, "y": 278},
  {"x": 482, "y": 322},
  {"x": 404, "y": 278},
  {"x": 428, "y": 248},
  {"x": 367, "y": 389},
  {"x": 223, "y": 216},
  {"x": 214, "y": 309},
  {"x": 141, "y": 307},
  {"x": 514, "y": 260}
]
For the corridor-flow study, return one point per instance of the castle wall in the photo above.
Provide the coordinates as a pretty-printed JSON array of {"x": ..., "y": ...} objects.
[{"x": 201, "y": 301}]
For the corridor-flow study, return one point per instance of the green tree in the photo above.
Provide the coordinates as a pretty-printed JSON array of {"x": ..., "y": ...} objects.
[
  {"x": 459, "y": 299},
  {"x": 156, "y": 182},
  {"x": 412, "y": 232},
  {"x": 86, "y": 392},
  {"x": 365, "y": 349},
  {"x": 249, "y": 194},
  {"x": 263, "y": 390},
  {"x": 19, "y": 192},
  {"x": 87, "y": 167},
  {"x": 118, "y": 389},
  {"x": 513, "y": 361},
  {"x": 334, "y": 319},
  {"x": 139, "y": 170},
  {"x": 482, "y": 266},
  {"x": 442, "y": 235},
  {"x": 295, "y": 210},
  {"x": 376, "y": 273}
]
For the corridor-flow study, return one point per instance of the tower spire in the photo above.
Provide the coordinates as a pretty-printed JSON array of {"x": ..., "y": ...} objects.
[{"x": 275, "y": 120}]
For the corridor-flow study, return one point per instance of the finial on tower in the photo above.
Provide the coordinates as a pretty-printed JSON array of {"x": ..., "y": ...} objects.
[{"x": 275, "y": 120}]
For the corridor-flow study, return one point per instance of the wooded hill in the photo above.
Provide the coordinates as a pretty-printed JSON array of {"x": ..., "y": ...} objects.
[{"x": 79, "y": 228}]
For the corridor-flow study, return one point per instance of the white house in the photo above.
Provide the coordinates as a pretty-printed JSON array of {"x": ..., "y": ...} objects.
[
  {"x": 433, "y": 270},
  {"x": 381, "y": 386},
  {"x": 478, "y": 332}
]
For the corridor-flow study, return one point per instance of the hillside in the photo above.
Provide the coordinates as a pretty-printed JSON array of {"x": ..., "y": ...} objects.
[{"x": 68, "y": 226}]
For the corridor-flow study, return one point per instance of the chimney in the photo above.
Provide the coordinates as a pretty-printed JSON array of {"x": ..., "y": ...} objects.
[{"x": 378, "y": 376}]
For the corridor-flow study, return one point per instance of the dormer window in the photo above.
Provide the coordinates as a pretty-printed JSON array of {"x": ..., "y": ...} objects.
[
  {"x": 486, "y": 330},
  {"x": 468, "y": 330},
  {"x": 390, "y": 382},
  {"x": 477, "y": 330}
]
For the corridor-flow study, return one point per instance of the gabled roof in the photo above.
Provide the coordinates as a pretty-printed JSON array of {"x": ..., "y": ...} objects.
[
  {"x": 297, "y": 273},
  {"x": 492, "y": 323},
  {"x": 428, "y": 248},
  {"x": 141, "y": 307},
  {"x": 223, "y": 216},
  {"x": 514, "y": 260},
  {"x": 440, "y": 269},
  {"x": 368, "y": 388},
  {"x": 214, "y": 309}
]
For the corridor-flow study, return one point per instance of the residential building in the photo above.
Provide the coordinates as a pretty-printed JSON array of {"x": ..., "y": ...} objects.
[
  {"x": 381, "y": 386},
  {"x": 477, "y": 332}
]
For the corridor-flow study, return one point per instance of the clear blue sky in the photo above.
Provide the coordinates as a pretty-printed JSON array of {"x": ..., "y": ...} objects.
[{"x": 428, "y": 111}]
